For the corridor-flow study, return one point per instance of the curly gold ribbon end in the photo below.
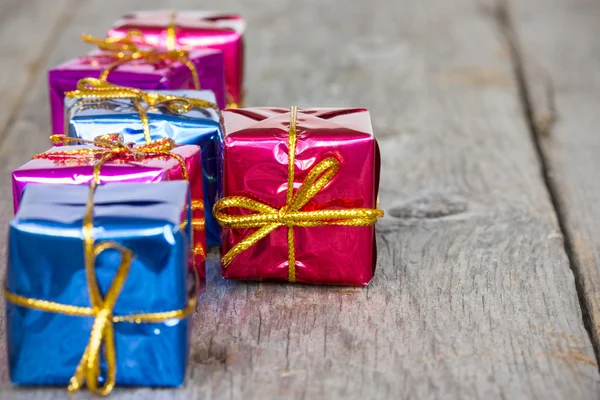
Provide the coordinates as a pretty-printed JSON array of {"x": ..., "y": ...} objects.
[{"x": 268, "y": 218}]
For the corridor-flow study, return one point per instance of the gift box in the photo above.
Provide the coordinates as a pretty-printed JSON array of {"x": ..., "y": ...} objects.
[
  {"x": 299, "y": 195},
  {"x": 198, "y": 126},
  {"x": 193, "y": 30},
  {"x": 146, "y": 74},
  {"x": 75, "y": 165},
  {"x": 61, "y": 294}
]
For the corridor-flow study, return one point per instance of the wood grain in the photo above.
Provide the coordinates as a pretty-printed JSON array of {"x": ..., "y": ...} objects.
[
  {"x": 27, "y": 28},
  {"x": 561, "y": 62},
  {"x": 473, "y": 297}
]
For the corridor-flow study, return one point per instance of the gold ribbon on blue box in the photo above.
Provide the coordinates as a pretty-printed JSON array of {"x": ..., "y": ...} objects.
[{"x": 97, "y": 286}]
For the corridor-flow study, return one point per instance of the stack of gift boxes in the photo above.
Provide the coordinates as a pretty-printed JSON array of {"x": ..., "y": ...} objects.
[{"x": 153, "y": 162}]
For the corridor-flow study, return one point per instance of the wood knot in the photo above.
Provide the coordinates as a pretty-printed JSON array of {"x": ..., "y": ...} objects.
[{"x": 431, "y": 206}]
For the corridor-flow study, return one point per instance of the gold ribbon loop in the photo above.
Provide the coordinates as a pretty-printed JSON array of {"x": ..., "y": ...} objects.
[
  {"x": 125, "y": 50},
  {"x": 92, "y": 89},
  {"x": 268, "y": 218}
]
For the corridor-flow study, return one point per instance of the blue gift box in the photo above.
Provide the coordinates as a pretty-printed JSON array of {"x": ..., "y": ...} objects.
[
  {"x": 46, "y": 262},
  {"x": 202, "y": 127}
]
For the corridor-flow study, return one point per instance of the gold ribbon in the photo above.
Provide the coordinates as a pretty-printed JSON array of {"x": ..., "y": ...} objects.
[
  {"x": 102, "y": 334},
  {"x": 268, "y": 218},
  {"x": 125, "y": 50},
  {"x": 93, "y": 90},
  {"x": 111, "y": 147}
]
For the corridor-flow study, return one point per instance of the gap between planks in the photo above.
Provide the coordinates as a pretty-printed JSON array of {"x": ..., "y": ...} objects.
[{"x": 537, "y": 129}]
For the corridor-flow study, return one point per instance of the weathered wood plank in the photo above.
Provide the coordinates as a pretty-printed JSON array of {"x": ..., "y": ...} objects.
[
  {"x": 473, "y": 297},
  {"x": 558, "y": 46},
  {"x": 27, "y": 27}
]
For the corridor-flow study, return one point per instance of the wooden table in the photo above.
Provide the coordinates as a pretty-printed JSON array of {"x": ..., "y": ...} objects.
[{"x": 488, "y": 273}]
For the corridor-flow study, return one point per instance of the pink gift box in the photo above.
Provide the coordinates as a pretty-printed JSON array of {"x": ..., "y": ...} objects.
[
  {"x": 256, "y": 167},
  {"x": 194, "y": 30},
  {"x": 78, "y": 170}
]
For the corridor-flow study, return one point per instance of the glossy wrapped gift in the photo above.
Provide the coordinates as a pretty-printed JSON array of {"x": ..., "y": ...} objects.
[
  {"x": 139, "y": 74},
  {"x": 193, "y": 30},
  {"x": 46, "y": 262},
  {"x": 257, "y": 170},
  {"x": 62, "y": 165},
  {"x": 198, "y": 126}
]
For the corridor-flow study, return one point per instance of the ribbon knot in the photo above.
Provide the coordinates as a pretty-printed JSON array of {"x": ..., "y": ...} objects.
[
  {"x": 268, "y": 218},
  {"x": 112, "y": 141}
]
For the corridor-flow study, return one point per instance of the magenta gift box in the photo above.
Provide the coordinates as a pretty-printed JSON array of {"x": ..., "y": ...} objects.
[
  {"x": 79, "y": 170},
  {"x": 139, "y": 74},
  {"x": 256, "y": 166}
]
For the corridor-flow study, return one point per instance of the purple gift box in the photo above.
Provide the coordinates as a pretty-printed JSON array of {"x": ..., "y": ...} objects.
[{"x": 140, "y": 74}]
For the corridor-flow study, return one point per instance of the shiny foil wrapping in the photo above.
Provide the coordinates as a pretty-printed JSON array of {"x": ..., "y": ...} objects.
[
  {"x": 194, "y": 30},
  {"x": 46, "y": 261},
  {"x": 78, "y": 170},
  {"x": 256, "y": 166},
  {"x": 201, "y": 127},
  {"x": 139, "y": 74}
]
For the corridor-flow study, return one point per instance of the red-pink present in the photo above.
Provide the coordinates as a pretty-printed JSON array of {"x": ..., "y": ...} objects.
[{"x": 322, "y": 230}]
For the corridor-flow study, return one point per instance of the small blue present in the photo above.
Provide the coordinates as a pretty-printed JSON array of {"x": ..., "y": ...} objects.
[
  {"x": 118, "y": 274},
  {"x": 88, "y": 118}
]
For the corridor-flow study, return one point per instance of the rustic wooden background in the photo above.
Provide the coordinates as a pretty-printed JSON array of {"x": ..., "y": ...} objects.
[{"x": 487, "y": 113}]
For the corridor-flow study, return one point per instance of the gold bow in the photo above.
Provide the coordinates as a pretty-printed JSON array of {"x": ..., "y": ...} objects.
[
  {"x": 88, "y": 369},
  {"x": 125, "y": 50},
  {"x": 111, "y": 147},
  {"x": 268, "y": 218},
  {"x": 93, "y": 90}
]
